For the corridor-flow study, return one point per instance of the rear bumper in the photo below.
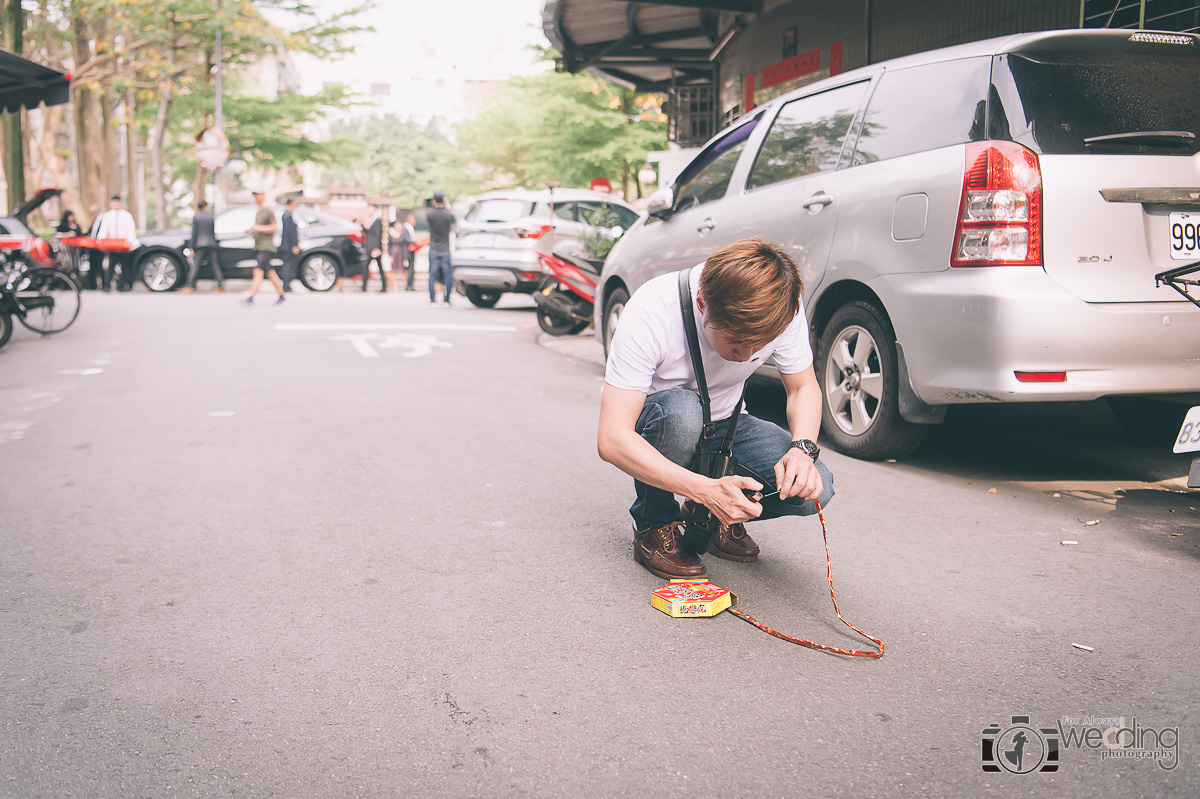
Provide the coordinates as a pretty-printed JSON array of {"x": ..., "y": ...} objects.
[
  {"x": 497, "y": 276},
  {"x": 966, "y": 332}
]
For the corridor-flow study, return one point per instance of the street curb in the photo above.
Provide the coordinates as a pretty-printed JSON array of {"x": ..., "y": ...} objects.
[{"x": 583, "y": 347}]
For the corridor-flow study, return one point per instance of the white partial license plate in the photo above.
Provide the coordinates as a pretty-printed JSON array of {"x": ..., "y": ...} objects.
[
  {"x": 486, "y": 240},
  {"x": 1188, "y": 439},
  {"x": 1185, "y": 236}
]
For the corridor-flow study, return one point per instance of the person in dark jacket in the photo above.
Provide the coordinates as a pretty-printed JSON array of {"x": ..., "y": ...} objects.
[
  {"x": 203, "y": 244},
  {"x": 97, "y": 274},
  {"x": 373, "y": 244},
  {"x": 289, "y": 243},
  {"x": 68, "y": 225},
  {"x": 441, "y": 222}
]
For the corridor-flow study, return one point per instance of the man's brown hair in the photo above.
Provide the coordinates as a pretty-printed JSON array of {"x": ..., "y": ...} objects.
[{"x": 751, "y": 291}]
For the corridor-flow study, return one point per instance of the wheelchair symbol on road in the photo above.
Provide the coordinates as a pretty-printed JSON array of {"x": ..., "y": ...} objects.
[{"x": 368, "y": 344}]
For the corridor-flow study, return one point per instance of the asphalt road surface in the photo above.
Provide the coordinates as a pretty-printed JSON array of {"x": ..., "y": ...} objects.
[{"x": 359, "y": 546}]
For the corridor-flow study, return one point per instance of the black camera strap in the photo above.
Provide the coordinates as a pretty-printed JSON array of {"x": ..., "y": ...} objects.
[{"x": 709, "y": 431}]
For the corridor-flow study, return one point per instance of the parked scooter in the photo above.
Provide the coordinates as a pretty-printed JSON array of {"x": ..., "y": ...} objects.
[{"x": 567, "y": 294}]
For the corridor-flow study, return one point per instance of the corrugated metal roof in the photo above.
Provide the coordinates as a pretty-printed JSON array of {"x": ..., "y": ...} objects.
[{"x": 647, "y": 45}]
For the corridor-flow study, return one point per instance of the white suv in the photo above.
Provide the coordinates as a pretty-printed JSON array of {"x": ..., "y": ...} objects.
[
  {"x": 496, "y": 244},
  {"x": 977, "y": 224}
]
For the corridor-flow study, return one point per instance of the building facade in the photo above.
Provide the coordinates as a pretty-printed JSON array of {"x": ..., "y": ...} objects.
[{"x": 717, "y": 59}]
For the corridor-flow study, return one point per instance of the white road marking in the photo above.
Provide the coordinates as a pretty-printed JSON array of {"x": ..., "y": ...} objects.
[
  {"x": 92, "y": 371},
  {"x": 293, "y": 326},
  {"x": 221, "y": 413},
  {"x": 361, "y": 344}
]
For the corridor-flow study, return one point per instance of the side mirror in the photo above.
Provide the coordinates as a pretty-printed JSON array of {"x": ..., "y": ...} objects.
[{"x": 660, "y": 203}]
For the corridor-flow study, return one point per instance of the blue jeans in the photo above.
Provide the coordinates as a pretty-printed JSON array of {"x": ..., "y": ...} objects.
[
  {"x": 439, "y": 272},
  {"x": 672, "y": 420}
]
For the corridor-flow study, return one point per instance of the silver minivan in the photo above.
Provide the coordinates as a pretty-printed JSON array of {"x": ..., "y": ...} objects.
[{"x": 976, "y": 224}]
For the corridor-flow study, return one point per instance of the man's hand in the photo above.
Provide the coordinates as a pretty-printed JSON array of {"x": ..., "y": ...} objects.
[
  {"x": 796, "y": 476},
  {"x": 376, "y": 253},
  {"x": 727, "y": 501},
  {"x": 295, "y": 251}
]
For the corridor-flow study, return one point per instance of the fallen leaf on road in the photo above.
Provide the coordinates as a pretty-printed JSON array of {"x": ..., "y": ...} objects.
[
  {"x": 1092, "y": 523},
  {"x": 991, "y": 491}
]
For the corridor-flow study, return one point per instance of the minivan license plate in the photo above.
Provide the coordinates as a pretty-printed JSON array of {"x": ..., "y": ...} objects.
[
  {"x": 1189, "y": 435},
  {"x": 1185, "y": 236}
]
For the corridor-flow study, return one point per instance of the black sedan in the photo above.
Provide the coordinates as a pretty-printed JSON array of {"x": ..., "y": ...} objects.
[{"x": 329, "y": 248}]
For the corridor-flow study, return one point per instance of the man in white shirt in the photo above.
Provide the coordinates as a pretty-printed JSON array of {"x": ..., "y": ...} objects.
[
  {"x": 117, "y": 223},
  {"x": 746, "y": 298}
]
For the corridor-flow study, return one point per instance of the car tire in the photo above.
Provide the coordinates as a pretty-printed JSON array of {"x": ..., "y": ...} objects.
[
  {"x": 1155, "y": 421},
  {"x": 162, "y": 271},
  {"x": 319, "y": 271},
  {"x": 858, "y": 372},
  {"x": 482, "y": 298},
  {"x": 614, "y": 306}
]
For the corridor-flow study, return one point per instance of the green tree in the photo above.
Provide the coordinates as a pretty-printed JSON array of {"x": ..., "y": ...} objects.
[
  {"x": 403, "y": 159},
  {"x": 133, "y": 61},
  {"x": 565, "y": 128}
]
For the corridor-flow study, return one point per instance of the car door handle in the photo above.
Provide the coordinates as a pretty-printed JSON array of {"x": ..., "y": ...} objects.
[
  {"x": 820, "y": 200},
  {"x": 706, "y": 226}
]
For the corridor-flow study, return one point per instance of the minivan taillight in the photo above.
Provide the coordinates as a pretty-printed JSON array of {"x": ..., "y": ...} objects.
[
  {"x": 1000, "y": 215},
  {"x": 355, "y": 235}
]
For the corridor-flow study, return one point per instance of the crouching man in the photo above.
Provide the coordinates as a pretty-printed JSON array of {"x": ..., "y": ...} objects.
[{"x": 747, "y": 303}]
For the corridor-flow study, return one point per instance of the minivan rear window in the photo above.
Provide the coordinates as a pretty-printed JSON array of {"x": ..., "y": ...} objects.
[
  {"x": 923, "y": 108},
  {"x": 1077, "y": 103},
  {"x": 499, "y": 210}
]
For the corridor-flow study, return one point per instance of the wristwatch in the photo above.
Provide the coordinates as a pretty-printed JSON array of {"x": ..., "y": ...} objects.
[{"x": 809, "y": 448}]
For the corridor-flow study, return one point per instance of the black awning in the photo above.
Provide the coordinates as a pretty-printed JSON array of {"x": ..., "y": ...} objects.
[
  {"x": 25, "y": 83},
  {"x": 650, "y": 46}
]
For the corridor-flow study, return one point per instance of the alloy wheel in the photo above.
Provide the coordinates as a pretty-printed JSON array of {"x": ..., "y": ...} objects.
[
  {"x": 319, "y": 273},
  {"x": 854, "y": 380}
]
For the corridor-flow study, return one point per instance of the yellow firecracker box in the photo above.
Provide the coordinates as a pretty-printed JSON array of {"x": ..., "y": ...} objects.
[{"x": 682, "y": 599}]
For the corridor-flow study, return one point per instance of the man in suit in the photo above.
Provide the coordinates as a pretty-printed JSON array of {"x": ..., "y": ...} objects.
[
  {"x": 204, "y": 245},
  {"x": 409, "y": 239},
  {"x": 373, "y": 244},
  {"x": 289, "y": 243},
  {"x": 117, "y": 223}
]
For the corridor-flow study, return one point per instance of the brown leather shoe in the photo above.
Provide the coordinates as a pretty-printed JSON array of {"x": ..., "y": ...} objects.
[
  {"x": 658, "y": 550},
  {"x": 733, "y": 543}
]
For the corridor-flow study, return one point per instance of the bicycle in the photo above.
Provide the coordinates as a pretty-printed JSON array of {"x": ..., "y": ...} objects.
[{"x": 44, "y": 299}]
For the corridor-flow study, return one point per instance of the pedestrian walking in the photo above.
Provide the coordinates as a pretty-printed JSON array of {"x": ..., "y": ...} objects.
[
  {"x": 263, "y": 231},
  {"x": 204, "y": 247},
  {"x": 441, "y": 222},
  {"x": 373, "y": 244},
  {"x": 117, "y": 223},
  {"x": 289, "y": 243},
  {"x": 722, "y": 320}
]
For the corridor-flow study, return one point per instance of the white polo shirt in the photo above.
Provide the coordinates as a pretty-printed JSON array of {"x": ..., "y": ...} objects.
[{"x": 649, "y": 351}]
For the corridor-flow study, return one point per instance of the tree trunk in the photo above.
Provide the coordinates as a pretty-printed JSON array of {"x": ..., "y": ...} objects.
[
  {"x": 14, "y": 150},
  {"x": 85, "y": 118},
  {"x": 51, "y": 159},
  {"x": 158, "y": 177}
]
